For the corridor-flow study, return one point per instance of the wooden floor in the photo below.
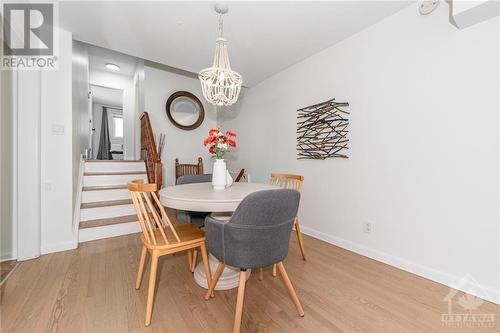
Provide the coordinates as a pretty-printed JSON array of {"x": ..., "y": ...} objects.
[
  {"x": 6, "y": 267},
  {"x": 91, "y": 289}
]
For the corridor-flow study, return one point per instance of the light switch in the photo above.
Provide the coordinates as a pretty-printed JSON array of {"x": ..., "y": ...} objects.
[{"x": 57, "y": 129}]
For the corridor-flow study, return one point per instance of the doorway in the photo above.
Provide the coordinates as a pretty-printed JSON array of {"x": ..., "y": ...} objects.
[{"x": 107, "y": 134}]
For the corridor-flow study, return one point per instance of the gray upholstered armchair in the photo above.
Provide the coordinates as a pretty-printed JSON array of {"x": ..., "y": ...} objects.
[
  {"x": 256, "y": 235},
  {"x": 196, "y": 218}
]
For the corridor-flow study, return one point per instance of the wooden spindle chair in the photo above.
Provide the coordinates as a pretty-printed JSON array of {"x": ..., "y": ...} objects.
[
  {"x": 160, "y": 237},
  {"x": 240, "y": 175},
  {"x": 295, "y": 182},
  {"x": 188, "y": 169}
]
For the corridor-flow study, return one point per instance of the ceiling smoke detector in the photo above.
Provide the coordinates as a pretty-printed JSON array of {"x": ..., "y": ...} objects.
[{"x": 426, "y": 7}]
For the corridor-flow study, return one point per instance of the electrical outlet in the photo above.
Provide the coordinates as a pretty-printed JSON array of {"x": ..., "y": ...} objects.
[{"x": 367, "y": 227}]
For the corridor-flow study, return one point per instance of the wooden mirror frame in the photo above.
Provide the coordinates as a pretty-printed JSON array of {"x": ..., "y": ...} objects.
[{"x": 195, "y": 100}]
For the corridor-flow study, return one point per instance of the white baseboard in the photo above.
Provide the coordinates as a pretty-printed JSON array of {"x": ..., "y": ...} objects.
[
  {"x": 6, "y": 256},
  {"x": 90, "y": 234},
  {"x": 58, "y": 247},
  {"x": 449, "y": 280}
]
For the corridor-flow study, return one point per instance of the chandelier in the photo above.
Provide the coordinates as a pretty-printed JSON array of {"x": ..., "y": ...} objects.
[{"x": 220, "y": 84}]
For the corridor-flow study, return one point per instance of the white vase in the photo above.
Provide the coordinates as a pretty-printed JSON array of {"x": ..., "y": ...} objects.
[
  {"x": 229, "y": 179},
  {"x": 219, "y": 175}
]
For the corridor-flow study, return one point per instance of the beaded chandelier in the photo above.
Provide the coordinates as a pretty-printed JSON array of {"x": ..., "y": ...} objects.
[{"x": 220, "y": 84}]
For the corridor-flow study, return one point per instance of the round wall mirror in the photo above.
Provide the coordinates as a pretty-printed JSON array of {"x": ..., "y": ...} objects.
[{"x": 185, "y": 110}]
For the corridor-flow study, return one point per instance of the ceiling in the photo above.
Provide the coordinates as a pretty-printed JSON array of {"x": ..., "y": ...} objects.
[
  {"x": 99, "y": 57},
  {"x": 263, "y": 37},
  {"x": 106, "y": 96}
]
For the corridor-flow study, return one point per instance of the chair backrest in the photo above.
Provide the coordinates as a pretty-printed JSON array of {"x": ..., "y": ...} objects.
[
  {"x": 155, "y": 226},
  {"x": 188, "y": 169},
  {"x": 190, "y": 179},
  {"x": 239, "y": 176},
  {"x": 258, "y": 233},
  {"x": 287, "y": 180}
]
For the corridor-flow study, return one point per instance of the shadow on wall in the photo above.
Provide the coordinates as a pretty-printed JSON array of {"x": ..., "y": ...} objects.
[{"x": 223, "y": 114}]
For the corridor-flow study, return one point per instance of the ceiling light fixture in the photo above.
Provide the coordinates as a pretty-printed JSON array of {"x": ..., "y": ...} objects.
[
  {"x": 220, "y": 85},
  {"x": 113, "y": 67}
]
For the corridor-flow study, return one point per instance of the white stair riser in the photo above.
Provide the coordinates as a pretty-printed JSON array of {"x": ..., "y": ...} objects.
[
  {"x": 89, "y": 234},
  {"x": 87, "y": 214},
  {"x": 111, "y": 179},
  {"x": 105, "y": 195},
  {"x": 114, "y": 166}
]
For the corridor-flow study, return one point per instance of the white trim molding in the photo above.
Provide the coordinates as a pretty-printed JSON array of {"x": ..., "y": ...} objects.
[
  {"x": 58, "y": 247},
  {"x": 90, "y": 234},
  {"x": 448, "y": 280},
  {"x": 78, "y": 198}
]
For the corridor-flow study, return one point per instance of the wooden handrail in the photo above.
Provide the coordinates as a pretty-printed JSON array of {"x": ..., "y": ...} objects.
[{"x": 149, "y": 154}]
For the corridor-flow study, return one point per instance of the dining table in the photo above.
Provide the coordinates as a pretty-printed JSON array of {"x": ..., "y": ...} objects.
[{"x": 202, "y": 197}]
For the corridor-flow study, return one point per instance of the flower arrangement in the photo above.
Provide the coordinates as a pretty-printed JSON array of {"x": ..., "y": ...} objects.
[{"x": 219, "y": 142}]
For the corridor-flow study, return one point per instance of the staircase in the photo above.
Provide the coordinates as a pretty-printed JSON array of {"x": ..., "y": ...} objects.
[{"x": 106, "y": 209}]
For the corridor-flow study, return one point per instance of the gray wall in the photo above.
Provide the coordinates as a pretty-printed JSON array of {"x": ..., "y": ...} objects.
[{"x": 6, "y": 166}]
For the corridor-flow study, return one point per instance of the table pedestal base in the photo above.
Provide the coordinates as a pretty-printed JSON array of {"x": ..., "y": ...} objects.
[{"x": 228, "y": 280}]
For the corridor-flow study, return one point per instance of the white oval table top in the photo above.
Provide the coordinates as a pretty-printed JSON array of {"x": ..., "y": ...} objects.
[{"x": 201, "y": 197}]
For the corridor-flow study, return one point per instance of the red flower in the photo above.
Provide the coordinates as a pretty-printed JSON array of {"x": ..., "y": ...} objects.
[
  {"x": 231, "y": 142},
  {"x": 213, "y": 131},
  {"x": 212, "y": 149},
  {"x": 208, "y": 140},
  {"x": 231, "y": 133}
]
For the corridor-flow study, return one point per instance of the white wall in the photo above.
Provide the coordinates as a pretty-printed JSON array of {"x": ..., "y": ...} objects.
[
  {"x": 27, "y": 182},
  {"x": 7, "y": 172},
  {"x": 423, "y": 166},
  {"x": 80, "y": 103},
  {"x": 57, "y": 156},
  {"x": 185, "y": 145},
  {"x": 139, "y": 104}
]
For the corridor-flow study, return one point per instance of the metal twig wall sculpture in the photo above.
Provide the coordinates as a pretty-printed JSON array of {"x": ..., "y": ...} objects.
[{"x": 322, "y": 131}]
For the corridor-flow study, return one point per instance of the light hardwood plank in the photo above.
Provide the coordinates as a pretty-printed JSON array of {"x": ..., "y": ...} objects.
[
  {"x": 107, "y": 221},
  {"x": 114, "y": 173},
  {"x": 91, "y": 289},
  {"x": 106, "y": 203},
  {"x": 104, "y": 187},
  {"x": 113, "y": 161}
]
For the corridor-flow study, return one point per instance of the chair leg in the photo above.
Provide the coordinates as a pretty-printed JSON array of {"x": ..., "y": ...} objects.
[
  {"x": 151, "y": 287},
  {"x": 299, "y": 237},
  {"x": 142, "y": 263},
  {"x": 206, "y": 265},
  {"x": 261, "y": 274},
  {"x": 291, "y": 290},
  {"x": 195, "y": 260},
  {"x": 274, "y": 270},
  {"x": 215, "y": 279},
  {"x": 239, "y": 301},
  {"x": 190, "y": 259}
]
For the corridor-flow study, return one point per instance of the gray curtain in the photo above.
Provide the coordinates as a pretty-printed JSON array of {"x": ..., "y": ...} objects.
[{"x": 104, "y": 152}]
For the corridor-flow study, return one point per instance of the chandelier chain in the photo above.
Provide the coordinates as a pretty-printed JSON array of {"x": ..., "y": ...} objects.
[{"x": 221, "y": 25}]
